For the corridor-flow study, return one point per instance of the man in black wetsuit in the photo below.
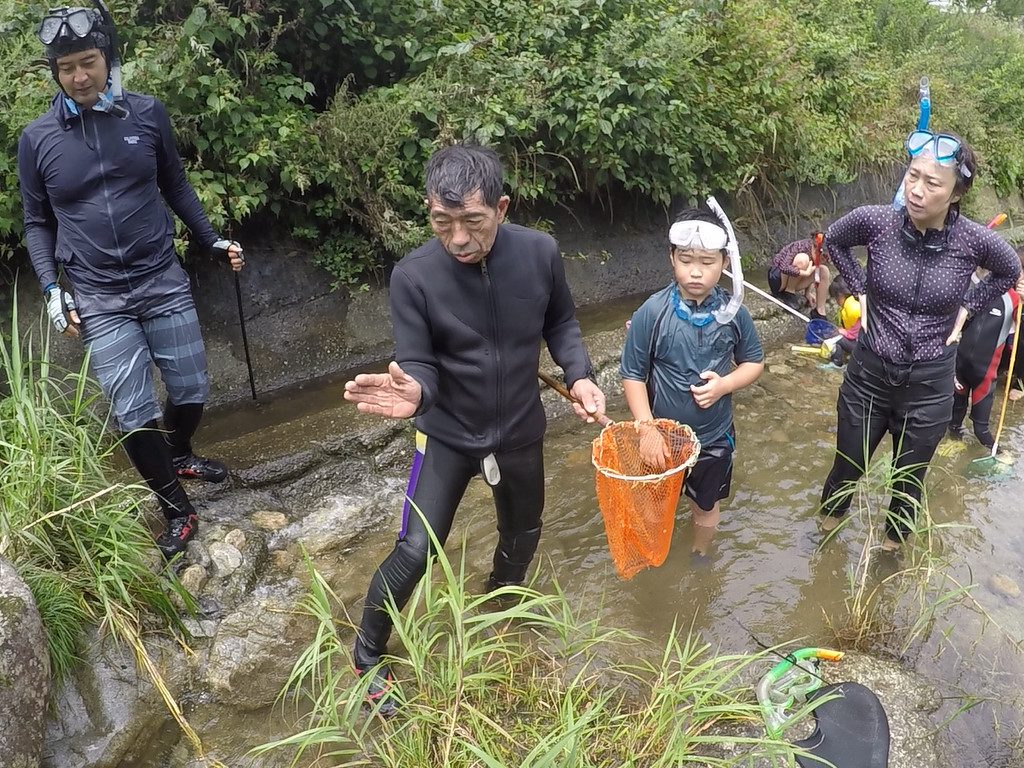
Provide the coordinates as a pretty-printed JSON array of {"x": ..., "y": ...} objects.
[
  {"x": 469, "y": 310},
  {"x": 95, "y": 170}
]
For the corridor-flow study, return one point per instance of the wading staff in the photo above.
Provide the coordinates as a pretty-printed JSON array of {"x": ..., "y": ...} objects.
[
  {"x": 238, "y": 297},
  {"x": 559, "y": 387}
]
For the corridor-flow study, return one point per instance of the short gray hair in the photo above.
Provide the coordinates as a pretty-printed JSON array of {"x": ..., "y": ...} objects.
[{"x": 456, "y": 172}]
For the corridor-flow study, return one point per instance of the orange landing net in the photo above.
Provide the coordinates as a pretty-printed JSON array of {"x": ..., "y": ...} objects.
[{"x": 638, "y": 503}]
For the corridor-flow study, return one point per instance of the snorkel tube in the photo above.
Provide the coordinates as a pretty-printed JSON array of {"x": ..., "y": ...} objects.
[
  {"x": 724, "y": 315},
  {"x": 924, "y": 116},
  {"x": 107, "y": 102},
  {"x": 924, "y": 104},
  {"x": 789, "y": 683}
]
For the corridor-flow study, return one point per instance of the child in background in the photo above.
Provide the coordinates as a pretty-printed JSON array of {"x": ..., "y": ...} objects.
[
  {"x": 679, "y": 362},
  {"x": 797, "y": 270},
  {"x": 977, "y": 363},
  {"x": 849, "y": 320}
]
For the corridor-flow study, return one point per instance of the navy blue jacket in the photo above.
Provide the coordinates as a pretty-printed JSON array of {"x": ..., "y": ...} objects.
[
  {"x": 91, "y": 187},
  {"x": 471, "y": 334}
]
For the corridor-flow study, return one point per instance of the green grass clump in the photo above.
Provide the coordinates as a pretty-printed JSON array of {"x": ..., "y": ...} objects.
[
  {"x": 516, "y": 678},
  {"x": 77, "y": 538}
]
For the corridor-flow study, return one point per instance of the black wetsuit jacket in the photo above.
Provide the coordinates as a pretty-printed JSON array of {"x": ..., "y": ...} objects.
[
  {"x": 91, "y": 187},
  {"x": 471, "y": 334}
]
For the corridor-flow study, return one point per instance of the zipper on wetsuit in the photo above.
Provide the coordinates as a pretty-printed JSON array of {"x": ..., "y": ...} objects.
[
  {"x": 919, "y": 258},
  {"x": 106, "y": 195},
  {"x": 497, "y": 344}
]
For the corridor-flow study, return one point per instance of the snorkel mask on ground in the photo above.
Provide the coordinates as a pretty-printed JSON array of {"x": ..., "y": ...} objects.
[
  {"x": 64, "y": 31},
  {"x": 704, "y": 235}
]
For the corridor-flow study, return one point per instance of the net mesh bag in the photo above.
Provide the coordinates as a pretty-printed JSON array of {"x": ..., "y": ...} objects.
[{"x": 638, "y": 502}]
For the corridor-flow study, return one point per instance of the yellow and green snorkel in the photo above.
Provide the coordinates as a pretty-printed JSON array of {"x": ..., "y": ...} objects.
[{"x": 788, "y": 685}]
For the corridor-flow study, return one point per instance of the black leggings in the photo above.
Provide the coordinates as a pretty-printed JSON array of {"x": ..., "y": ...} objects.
[
  {"x": 981, "y": 413},
  {"x": 913, "y": 404},
  {"x": 437, "y": 482}
]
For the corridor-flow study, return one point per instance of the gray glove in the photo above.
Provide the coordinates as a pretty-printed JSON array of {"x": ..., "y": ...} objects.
[
  {"x": 59, "y": 305},
  {"x": 220, "y": 249}
]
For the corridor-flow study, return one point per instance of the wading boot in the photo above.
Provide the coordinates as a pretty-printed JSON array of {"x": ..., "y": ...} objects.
[{"x": 828, "y": 523}]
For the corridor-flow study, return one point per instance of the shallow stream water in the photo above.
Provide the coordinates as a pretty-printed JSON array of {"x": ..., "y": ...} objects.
[{"x": 766, "y": 573}]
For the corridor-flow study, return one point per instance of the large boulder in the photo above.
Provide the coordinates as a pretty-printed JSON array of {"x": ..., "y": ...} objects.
[
  {"x": 24, "y": 673},
  {"x": 108, "y": 714}
]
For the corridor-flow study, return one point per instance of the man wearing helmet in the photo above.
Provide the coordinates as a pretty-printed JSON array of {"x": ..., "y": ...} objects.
[{"x": 95, "y": 170}]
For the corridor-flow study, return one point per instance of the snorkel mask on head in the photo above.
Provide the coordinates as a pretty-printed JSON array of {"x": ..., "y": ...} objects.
[
  {"x": 64, "y": 31},
  {"x": 946, "y": 150},
  {"x": 711, "y": 237}
]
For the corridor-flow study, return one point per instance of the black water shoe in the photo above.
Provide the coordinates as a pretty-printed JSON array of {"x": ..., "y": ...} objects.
[
  {"x": 180, "y": 531},
  {"x": 192, "y": 467},
  {"x": 791, "y": 300},
  {"x": 380, "y": 695}
]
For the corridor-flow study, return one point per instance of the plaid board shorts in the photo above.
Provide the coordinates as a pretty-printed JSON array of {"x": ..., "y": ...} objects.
[{"x": 127, "y": 333}]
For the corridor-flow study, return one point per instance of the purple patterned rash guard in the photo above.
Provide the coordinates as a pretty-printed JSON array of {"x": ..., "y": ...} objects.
[{"x": 917, "y": 283}]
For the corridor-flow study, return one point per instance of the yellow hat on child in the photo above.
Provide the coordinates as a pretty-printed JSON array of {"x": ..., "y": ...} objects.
[{"x": 849, "y": 313}]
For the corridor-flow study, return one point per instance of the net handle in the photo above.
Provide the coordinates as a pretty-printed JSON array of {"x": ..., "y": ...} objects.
[{"x": 559, "y": 387}]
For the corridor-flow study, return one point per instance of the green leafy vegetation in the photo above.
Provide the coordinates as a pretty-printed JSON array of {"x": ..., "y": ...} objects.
[{"x": 314, "y": 117}]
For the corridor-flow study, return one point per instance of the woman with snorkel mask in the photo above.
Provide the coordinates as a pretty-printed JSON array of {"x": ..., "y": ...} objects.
[{"x": 900, "y": 377}]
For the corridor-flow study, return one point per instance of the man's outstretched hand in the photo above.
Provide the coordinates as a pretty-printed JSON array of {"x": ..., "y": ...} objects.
[{"x": 394, "y": 394}]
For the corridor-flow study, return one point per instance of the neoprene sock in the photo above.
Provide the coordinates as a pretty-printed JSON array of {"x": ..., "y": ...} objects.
[
  {"x": 181, "y": 421},
  {"x": 151, "y": 456}
]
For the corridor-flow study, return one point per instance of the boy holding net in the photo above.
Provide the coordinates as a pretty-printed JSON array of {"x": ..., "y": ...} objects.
[{"x": 683, "y": 358}]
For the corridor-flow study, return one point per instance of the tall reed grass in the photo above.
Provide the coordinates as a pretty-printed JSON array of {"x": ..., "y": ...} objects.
[
  {"x": 517, "y": 678},
  {"x": 78, "y": 539}
]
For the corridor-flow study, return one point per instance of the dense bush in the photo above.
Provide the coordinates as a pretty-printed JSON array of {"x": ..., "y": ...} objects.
[{"x": 319, "y": 114}]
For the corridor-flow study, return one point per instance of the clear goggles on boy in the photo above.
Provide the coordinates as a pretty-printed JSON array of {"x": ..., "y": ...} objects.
[
  {"x": 79, "y": 22},
  {"x": 944, "y": 148}
]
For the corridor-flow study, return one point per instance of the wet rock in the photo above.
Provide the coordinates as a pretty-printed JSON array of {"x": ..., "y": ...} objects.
[
  {"x": 193, "y": 578},
  {"x": 1004, "y": 585},
  {"x": 235, "y": 569},
  {"x": 108, "y": 714},
  {"x": 201, "y": 628},
  {"x": 333, "y": 526},
  {"x": 283, "y": 560},
  {"x": 24, "y": 673},
  {"x": 255, "y": 648},
  {"x": 908, "y": 699},
  {"x": 226, "y": 558},
  {"x": 280, "y": 470},
  {"x": 269, "y": 521},
  {"x": 198, "y": 553},
  {"x": 236, "y": 538},
  {"x": 782, "y": 369}
]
